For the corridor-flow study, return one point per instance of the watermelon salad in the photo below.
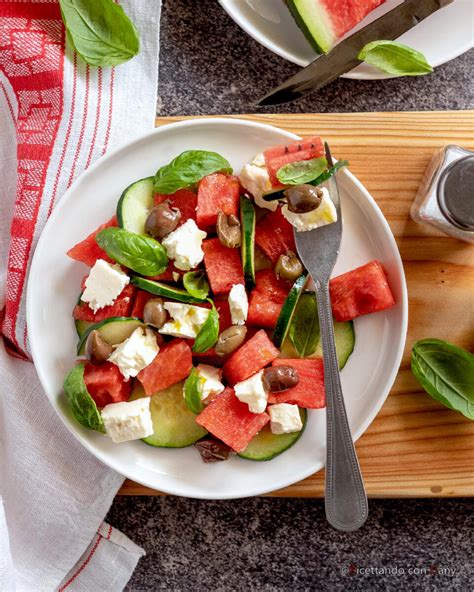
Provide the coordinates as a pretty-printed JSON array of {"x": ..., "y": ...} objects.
[{"x": 196, "y": 321}]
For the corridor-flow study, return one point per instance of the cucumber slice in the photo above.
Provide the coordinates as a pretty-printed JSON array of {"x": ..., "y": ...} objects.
[
  {"x": 81, "y": 327},
  {"x": 247, "y": 218},
  {"x": 165, "y": 290},
  {"x": 175, "y": 425},
  {"x": 113, "y": 330},
  {"x": 134, "y": 204},
  {"x": 265, "y": 445},
  {"x": 287, "y": 311}
]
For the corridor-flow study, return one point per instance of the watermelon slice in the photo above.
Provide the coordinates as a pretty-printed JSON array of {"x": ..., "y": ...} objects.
[
  {"x": 88, "y": 251},
  {"x": 278, "y": 156},
  {"x": 309, "y": 392},
  {"x": 323, "y": 22},
  {"x": 223, "y": 266},
  {"x": 184, "y": 200},
  {"x": 274, "y": 235},
  {"x": 360, "y": 292},
  {"x": 122, "y": 307},
  {"x": 267, "y": 298},
  {"x": 252, "y": 356},
  {"x": 105, "y": 383},
  {"x": 172, "y": 364},
  {"x": 216, "y": 193},
  {"x": 230, "y": 420}
]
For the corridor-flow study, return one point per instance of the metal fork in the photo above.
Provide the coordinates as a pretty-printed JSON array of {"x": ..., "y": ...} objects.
[{"x": 346, "y": 499}]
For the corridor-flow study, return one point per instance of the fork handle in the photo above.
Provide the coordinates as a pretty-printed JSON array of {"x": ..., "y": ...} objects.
[{"x": 346, "y": 499}]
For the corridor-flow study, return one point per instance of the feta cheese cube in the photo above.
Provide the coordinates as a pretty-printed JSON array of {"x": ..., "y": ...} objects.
[
  {"x": 254, "y": 177},
  {"x": 210, "y": 379},
  {"x": 130, "y": 420},
  {"x": 135, "y": 353},
  {"x": 252, "y": 392},
  {"x": 104, "y": 283},
  {"x": 238, "y": 304},
  {"x": 186, "y": 320},
  {"x": 324, "y": 214},
  {"x": 184, "y": 245},
  {"x": 284, "y": 418}
]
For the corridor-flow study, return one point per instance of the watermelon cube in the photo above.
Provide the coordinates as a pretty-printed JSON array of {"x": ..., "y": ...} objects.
[
  {"x": 167, "y": 275},
  {"x": 252, "y": 356},
  {"x": 267, "y": 298},
  {"x": 230, "y": 420},
  {"x": 172, "y": 364},
  {"x": 141, "y": 298},
  {"x": 122, "y": 307},
  {"x": 216, "y": 193},
  {"x": 309, "y": 392},
  {"x": 278, "y": 156},
  {"x": 222, "y": 306},
  {"x": 274, "y": 235},
  {"x": 360, "y": 292},
  {"x": 105, "y": 383},
  {"x": 223, "y": 266},
  {"x": 88, "y": 251},
  {"x": 184, "y": 200}
]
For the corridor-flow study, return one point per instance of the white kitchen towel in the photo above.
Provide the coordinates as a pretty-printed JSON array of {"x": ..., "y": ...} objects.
[{"x": 57, "y": 116}]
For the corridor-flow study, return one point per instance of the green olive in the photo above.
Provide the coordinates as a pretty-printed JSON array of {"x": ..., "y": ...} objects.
[
  {"x": 230, "y": 339},
  {"x": 228, "y": 230},
  {"x": 288, "y": 266},
  {"x": 161, "y": 220},
  {"x": 303, "y": 198}
]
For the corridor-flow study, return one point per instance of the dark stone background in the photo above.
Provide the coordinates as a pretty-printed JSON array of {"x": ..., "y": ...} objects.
[{"x": 207, "y": 66}]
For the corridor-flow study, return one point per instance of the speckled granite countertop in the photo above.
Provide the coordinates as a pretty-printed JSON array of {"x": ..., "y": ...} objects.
[{"x": 209, "y": 66}]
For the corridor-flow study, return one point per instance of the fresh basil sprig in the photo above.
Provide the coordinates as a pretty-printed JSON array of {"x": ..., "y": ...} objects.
[
  {"x": 82, "y": 404},
  {"x": 193, "y": 392},
  {"x": 304, "y": 171},
  {"x": 330, "y": 172},
  {"x": 446, "y": 372},
  {"x": 143, "y": 254},
  {"x": 395, "y": 58},
  {"x": 304, "y": 329},
  {"x": 100, "y": 31},
  {"x": 208, "y": 333},
  {"x": 196, "y": 284},
  {"x": 187, "y": 169}
]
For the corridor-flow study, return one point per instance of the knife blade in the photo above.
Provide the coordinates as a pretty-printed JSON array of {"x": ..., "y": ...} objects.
[{"x": 327, "y": 67}]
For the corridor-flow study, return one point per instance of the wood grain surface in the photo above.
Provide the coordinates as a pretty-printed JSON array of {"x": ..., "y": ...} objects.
[{"x": 415, "y": 447}]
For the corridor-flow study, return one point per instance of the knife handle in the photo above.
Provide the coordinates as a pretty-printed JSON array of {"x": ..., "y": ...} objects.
[{"x": 346, "y": 500}]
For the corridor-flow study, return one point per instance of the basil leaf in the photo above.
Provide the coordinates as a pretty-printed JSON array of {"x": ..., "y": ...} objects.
[
  {"x": 196, "y": 284},
  {"x": 193, "y": 392},
  {"x": 446, "y": 372},
  {"x": 82, "y": 404},
  {"x": 141, "y": 253},
  {"x": 395, "y": 58},
  {"x": 330, "y": 172},
  {"x": 304, "y": 329},
  {"x": 187, "y": 169},
  {"x": 296, "y": 173},
  {"x": 209, "y": 332},
  {"x": 100, "y": 31}
]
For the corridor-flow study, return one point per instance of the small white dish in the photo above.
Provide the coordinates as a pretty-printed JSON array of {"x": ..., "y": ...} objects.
[{"x": 54, "y": 284}]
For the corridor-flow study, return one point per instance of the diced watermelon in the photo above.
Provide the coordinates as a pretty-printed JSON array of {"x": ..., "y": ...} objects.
[
  {"x": 251, "y": 357},
  {"x": 139, "y": 301},
  {"x": 172, "y": 364},
  {"x": 105, "y": 383},
  {"x": 223, "y": 266},
  {"x": 278, "y": 156},
  {"x": 184, "y": 200},
  {"x": 274, "y": 235},
  {"x": 167, "y": 275},
  {"x": 209, "y": 357},
  {"x": 122, "y": 307},
  {"x": 216, "y": 193},
  {"x": 309, "y": 392},
  {"x": 360, "y": 292},
  {"x": 88, "y": 251},
  {"x": 230, "y": 420},
  {"x": 222, "y": 305},
  {"x": 267, "y": 298}
]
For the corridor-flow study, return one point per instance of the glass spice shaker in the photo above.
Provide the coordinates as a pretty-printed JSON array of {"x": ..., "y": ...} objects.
[{"x": 445, "y": 198}]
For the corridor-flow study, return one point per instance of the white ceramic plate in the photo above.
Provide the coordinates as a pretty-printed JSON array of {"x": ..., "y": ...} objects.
[
  {"x": 441, "y": 37},
  {"x": 55, "y": 279}
]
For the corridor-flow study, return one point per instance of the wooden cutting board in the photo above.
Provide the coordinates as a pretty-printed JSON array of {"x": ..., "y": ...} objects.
[{"x": 415, "y": 447}]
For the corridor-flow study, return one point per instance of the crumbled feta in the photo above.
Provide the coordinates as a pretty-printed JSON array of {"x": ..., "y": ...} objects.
[
  {"x": 186, "y": 320},
  {"x": 129, "y": 420},
  {"x": 184, "y": 245},
  {"x": 176, "y": 276},
  {"x": 254, "y": 177},
  {"x": 135, "y": 353},
  {"x": 252, "y": 392},
  {"x": 104, "y": 283},
  {"x": 210, "y": 379},
  {"x": 284, "y": 418},
  {"x": 238, "y": 304},
  {"x": 324, "y": 214}
]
